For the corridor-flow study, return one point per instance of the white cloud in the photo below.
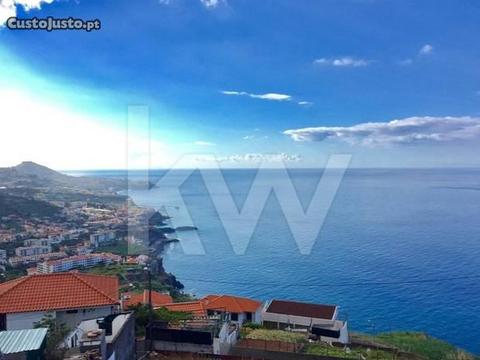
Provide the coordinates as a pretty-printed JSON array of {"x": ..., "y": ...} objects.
[
  {"x": 267, "y": 96},
  {"x": 204, "y": 143},
  {"x": 305, "y": 103},
  {"x": 8, "y": 8},
  {"x": 403, "y": 131},
  {"x": 251, "y": 158},
  {"x": 346, "y": 61},
  {"x": 272, "y": 96},
  {"x": 426, "y": 49},
  {"x": 211, "y": 4}
]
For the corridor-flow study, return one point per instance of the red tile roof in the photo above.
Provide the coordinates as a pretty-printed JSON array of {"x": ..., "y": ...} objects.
[
  {"x": 158, "y": 299},
  {"x": 231, "y": 304},
  {"x": 58, "y": 291},
  {"x": 196, "y": 308}
]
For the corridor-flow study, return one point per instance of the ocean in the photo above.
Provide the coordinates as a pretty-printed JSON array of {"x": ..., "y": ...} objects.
[{"x": 398, "y": 250}]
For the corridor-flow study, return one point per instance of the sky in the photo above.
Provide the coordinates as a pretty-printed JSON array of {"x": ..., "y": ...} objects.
[{"x": 394, "y": 83}]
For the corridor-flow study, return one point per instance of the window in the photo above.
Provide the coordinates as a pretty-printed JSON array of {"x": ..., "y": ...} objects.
[
  {"x": 234, "y": 316},
  {"x": 3, "y": 322},
  {"x": 249, "y": 316}
]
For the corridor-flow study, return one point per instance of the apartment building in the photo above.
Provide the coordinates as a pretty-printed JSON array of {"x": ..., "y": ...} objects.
[
  {"x": 75, "y": 262},
  {"x": 103, "y": 238},
  {"x": 32, "y": 250}
]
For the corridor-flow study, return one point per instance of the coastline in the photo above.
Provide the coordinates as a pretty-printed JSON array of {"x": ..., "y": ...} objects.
[{"x": 394, "y": 315}]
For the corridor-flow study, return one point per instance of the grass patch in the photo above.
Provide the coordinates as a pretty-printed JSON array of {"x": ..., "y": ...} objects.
[
  {"x": 122, "y": 248},
  {"x": 111, "y": 270},
  {"x": 424, "y": 345},
  {"x": 327, "y": 350},
  {"x": 275, "y": 335}
]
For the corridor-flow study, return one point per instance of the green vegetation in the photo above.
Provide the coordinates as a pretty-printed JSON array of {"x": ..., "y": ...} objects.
[
  {"x": 55, "y": 336},
  {"x": 346, "y": 353},
  {"x": 26, "y": 207},
  {"x": 275, "y": 335},
  {"x": 387, "y": 346},
  {"x": 112, "y": 270},
  {"x": 133, "y": 278},
  {"x": 14, "y": 273},
  {"x": 253, "y": 326},
  {"x": 180, "y": 296},
  {"x": 122, "y": 248},
  {"x": 424, "y": 345},
  {"x": 142, "y": 313}
]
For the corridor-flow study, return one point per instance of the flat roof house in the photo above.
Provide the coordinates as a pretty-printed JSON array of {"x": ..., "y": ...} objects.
[
  {"x": 69, "y": 297},
  {"x": 319, "y": 319}
]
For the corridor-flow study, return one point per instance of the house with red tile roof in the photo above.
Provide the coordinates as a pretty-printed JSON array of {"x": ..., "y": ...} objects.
[
  {"x": 69, "y": 297},
  {"x": 158, "y": 299},
  {"x": 234, "y": 308},
  {"x": 237, "y": 309},
  {"x": 195, "y": 308}
]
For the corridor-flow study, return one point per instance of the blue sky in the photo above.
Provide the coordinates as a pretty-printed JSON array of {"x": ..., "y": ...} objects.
[{"x": 304, "y": 79}]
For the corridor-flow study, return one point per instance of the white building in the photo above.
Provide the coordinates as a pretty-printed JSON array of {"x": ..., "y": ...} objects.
[
  {"x": 319, "y": 319},
  {"x": 33, "y": 259},
  {"x": 68, "y": 297},
  {"x": 37, "y": 242},
  {"x": 55, "y": 239},
  {"x": 102, "y": 238},
  {"x": 32, "y": 250},
  {"x": 75, "y": 262}
]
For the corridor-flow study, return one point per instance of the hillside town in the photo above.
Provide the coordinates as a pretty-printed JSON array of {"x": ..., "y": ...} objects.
[{"x": 46, "y": 247}]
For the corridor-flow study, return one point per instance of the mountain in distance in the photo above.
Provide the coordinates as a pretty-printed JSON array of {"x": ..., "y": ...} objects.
[
  {"x": 32, "y": 175},
  {"x": 30, "y": 189}
]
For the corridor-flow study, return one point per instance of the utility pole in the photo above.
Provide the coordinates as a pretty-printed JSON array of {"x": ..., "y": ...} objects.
[{"x": 150, "y": 307}]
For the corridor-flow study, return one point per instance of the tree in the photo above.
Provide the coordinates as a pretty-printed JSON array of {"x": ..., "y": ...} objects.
[
  {"x": 55, "y": 336},
  {"x": 141, "y": 316}
]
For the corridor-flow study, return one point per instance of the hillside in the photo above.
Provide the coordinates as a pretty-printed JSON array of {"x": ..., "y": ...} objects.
[
  {"x": 385, "y": 346},
  {"x": 32, "y": 175},
  {"x": 25, "y": 206},
  {"x": 424, "y": 345},
  {"x": 418, "y": 345},
  {"x": 30, "y": 190}
]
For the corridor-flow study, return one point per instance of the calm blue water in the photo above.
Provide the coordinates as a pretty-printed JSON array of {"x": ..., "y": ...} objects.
[{"x": 384, "y": 226}]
